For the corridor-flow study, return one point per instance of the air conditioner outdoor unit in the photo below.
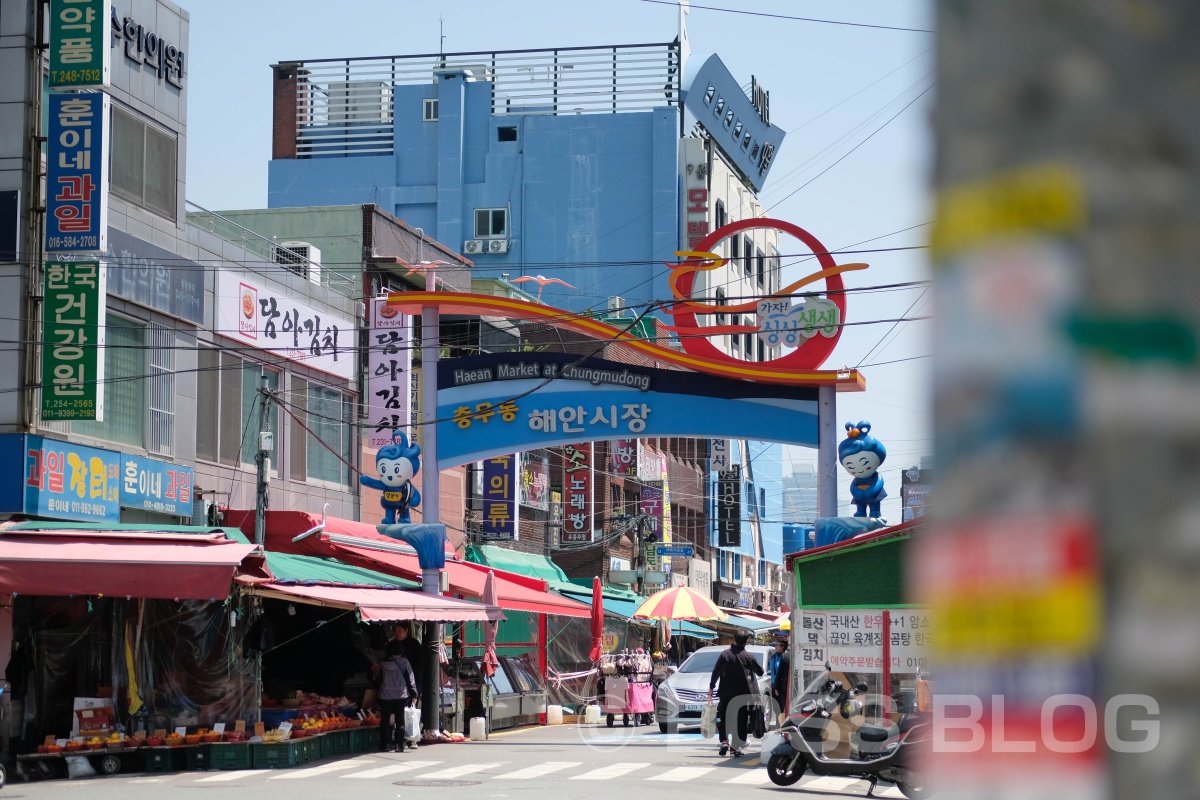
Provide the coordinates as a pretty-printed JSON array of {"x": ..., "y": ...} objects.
[
  {"x": 616, "y": 306},
  {"x": 474, "y": 246},
  {"x": 360, "y": 101},
  {"x": 301, "y": 258},
  {"x": 498, "y": 246}
]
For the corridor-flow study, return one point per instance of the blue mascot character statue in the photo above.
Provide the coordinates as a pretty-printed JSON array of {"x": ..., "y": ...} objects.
[
  {"x": 861, "y": 454},
  {"x": 396, "y": 465}
]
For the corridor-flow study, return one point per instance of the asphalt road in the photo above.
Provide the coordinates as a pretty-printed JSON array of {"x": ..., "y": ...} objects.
[{"x": 569, "y": 761}]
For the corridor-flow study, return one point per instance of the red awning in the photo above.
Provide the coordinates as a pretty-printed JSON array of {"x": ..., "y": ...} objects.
[
  {"x": 64, "y": 562},
  {"x": 516, "y": 592},
  {"x": 382, "y": 605}
]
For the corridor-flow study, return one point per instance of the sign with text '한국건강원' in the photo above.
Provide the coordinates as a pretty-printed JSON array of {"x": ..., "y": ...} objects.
[{"x": 73, "y": 341}]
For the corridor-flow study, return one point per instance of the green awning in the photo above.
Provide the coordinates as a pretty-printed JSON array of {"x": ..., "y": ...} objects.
[
  {"x": 310, "y": 569},
  {"x": 531, "y": 565},
  {"x": 824, "y": 578}
]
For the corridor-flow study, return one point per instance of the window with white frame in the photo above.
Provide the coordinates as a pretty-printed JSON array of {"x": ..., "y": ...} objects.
[
  {"x": 144, "y": 163},
  {"x": 429, "y": 109},
  {"x": 124, "y": 384},
  {"x": 491, "y": 223},
  {"x": 737, "y": 567},
  {"x": 228, "y": 411},
  {"x": 722, "y": 561},
  {"x": 161, "y": 356},
  {"x": 323, "y": 451}
]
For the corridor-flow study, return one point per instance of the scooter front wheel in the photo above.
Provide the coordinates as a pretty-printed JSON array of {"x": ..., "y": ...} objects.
[
  {"x": 784, "y": 770},
  {"x": 913, "y": 786}
]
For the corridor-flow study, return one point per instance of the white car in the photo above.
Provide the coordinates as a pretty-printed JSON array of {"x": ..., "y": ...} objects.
[{"x": 682, "y": 696}]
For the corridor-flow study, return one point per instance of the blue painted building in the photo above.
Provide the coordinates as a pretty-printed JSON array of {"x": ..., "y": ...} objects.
[{"x": 590, "y": 165}]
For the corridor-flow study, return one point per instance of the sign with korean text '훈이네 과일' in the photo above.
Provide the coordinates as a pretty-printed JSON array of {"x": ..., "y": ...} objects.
[
  {"x": 266, "y": 318},
  {"x": 389, "y": 372},
  {"x": 79, "y": 47},
  {"x": 500, "y": 497},
  {"x": 77, "y": 173},
  {"x": 156, "y": 486},
  {"x": 72, "y": 341}
]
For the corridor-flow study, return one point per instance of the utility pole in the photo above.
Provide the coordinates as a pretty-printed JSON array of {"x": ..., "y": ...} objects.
[
  {"x": 262, "y": 458},
  {"x": 640, "y": 554}
]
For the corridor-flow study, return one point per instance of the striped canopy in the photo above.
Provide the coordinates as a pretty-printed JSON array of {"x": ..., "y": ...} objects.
[{"x": 678, "y": 602}]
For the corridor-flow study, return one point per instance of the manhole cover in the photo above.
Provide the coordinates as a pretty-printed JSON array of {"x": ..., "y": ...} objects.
[{"x": 449, "y": 783}]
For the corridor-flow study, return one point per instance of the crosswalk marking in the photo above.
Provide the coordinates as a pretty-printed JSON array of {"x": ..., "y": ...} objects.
[
  {"x": 753, "y": 777},
  {"x": 312, "y": 772},
  {"x": 383, "y": 772},
  {"x": 611, "y": 771},
  {"x": 457, "y": 772},
  {"x": 232, "y": 776},
  {"x": 680, "y": 774},
  {"x": 537, "y": 770},
  {"x": 831, "y": 784}
]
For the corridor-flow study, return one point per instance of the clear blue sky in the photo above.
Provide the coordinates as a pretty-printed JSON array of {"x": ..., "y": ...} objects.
[{"x": 879, "y": 188}]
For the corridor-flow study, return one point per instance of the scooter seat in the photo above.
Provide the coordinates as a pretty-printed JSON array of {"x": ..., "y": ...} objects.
[{"x": 872, "y": 733}]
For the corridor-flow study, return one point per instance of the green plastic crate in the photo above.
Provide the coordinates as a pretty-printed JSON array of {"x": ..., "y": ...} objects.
[
  {"x": 341, "y": 742},
  {"x": 310, "y": 749},
  {"x": 198, "y": 757},
  {"x": 325, "y": 743},
  {"x": 364, "y": 740},
  {"x": 164, "y": 759},
  {"x": 229, "y": 755},
  {"x": 276, "y": 754}
]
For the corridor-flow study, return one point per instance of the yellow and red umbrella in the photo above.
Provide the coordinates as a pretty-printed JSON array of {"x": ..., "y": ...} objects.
[{"x": 678, "y": 603}]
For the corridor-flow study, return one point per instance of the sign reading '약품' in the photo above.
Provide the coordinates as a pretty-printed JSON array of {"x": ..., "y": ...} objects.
[{"x": 79, "y": 49}]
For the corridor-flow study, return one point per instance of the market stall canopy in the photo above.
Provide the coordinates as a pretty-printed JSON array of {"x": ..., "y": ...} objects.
[
  {"x": 55, "y": 559},
  {"x": 380, "y": 605},
  {"x": 624, "y": 609},
  {"x": 359, "y": 544},
  {"x": 820, "y": 572},
  {"x": 733, "y": 621}
]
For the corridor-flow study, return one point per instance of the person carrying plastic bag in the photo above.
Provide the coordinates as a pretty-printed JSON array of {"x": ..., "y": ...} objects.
[
  {"x": 732, "y": 676},
  {"x": 397, "y": 692}
]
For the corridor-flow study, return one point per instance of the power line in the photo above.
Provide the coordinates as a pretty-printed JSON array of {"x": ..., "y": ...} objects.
[{"x": 795, "y": 19}]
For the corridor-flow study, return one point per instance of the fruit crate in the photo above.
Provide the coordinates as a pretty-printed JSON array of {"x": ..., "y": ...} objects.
[
  {"x": 310, "y": 749},
  {"x": 229, "y": 755},
  {"x": 164, "y": 759},
  {"x": 341, "y": 742},
  {"x": 364, "y": 740},
  {"x": 326, "y": 745},
  {"x": 276, "y": 754},
  {"x": 198, "y": 757}
]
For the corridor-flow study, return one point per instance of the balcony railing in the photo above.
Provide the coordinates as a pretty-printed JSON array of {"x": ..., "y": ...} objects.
[{"x": 344, "y": 106}]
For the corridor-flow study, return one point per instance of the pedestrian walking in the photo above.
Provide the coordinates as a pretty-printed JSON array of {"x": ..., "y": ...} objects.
[
  {"x": 780, "y": 668},
  {"x": 397, "y": 691},
  {"x": 734, "y": 676}
]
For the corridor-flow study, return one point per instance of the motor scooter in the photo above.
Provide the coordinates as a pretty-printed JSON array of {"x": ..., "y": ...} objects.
[{"x": 881, "y": 751}]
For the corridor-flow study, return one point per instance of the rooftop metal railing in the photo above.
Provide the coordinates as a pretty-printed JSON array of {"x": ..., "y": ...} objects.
[
  {"x": 344, "y": 107},
  {"x": 345, "y": 284}
]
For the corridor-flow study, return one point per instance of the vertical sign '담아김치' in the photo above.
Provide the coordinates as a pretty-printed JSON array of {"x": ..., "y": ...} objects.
[
  {"x": 79, "y": 51},
  {"x": 77, "y": 173},
  {"x": 73, "y": 341},
  {"x": 389, "y": 369},
  {"x": 577, "y": 493}
]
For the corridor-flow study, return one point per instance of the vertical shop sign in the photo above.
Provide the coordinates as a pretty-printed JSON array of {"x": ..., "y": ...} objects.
[
  {"x": 695, "y": 184},
  {"x": 73, "y": 341},
  {"x": 666, "y": 513},
  {"x": 389, "y": 370},
  {"x": 77, "y": 173},
  {"x": 535, "y": 481},
  {"x": 500, "y": 497},
  {"x": 718, "y": 455},
  {"x": 729, "y": 507},
  {"x": 556, "y": 519},
  {"x": 623, "y": 455},
  {"x": 79, "y": 46},
  {"x": 650, "y": 503},
  {"x": 577, "y": 488}
]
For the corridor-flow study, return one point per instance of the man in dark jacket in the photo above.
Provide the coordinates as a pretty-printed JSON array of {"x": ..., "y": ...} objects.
[
  {"x": 735, "y": 678},
  {"x": 397, "y": 690},
  {"x": 780, "y": 666}
]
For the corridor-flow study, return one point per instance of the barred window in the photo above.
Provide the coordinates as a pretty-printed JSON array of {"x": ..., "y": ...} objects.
[
  {"x": 124, "y": 384},
  {"x": 161, "y": 356}
]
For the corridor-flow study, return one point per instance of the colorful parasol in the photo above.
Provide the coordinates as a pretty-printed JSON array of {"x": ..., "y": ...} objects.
[{"x": 679, "y": 603}]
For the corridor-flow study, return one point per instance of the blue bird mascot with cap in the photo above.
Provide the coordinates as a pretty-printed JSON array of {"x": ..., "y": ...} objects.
[
  {"x": 396, "y": 464},
  {"x": 861, "y": 454}
]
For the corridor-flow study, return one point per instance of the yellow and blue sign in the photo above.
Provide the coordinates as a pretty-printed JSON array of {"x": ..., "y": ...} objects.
[
  {"x": 62, "y": 480},
  {"x": 503, "y": 403}
]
